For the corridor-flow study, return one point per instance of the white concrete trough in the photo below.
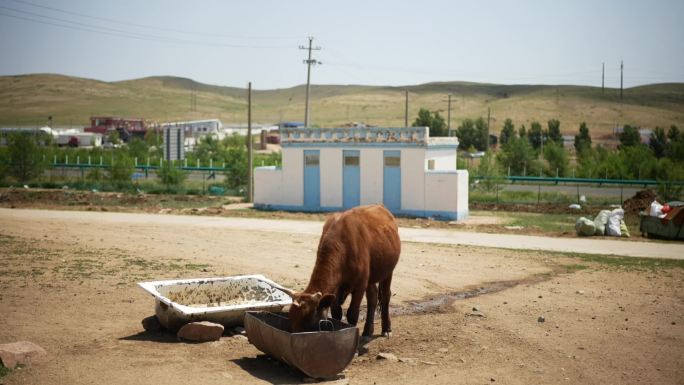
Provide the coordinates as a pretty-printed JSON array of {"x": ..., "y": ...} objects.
[{"x": 221, "y": 300}]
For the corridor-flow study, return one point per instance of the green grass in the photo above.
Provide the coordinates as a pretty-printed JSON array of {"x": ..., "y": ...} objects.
[
  {"x": 29, "y": 99},
  {"x": 4, "y": 370}
]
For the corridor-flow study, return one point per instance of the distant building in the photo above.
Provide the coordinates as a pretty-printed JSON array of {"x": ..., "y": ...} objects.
[
  {"x": 174, "y": 143},
  {"x": 128, "y": 128},
  {"x": 332, "y": 169}
]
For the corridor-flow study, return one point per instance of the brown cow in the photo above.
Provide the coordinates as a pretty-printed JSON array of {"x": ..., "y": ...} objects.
[{"x": 359, "y": 248}]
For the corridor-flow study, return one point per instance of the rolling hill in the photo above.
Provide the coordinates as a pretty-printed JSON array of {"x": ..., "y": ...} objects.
[{"x": 27, "y": 100}]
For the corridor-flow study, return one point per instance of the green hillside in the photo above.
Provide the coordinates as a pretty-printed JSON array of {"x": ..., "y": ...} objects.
[{"x": 28, "y": 100}]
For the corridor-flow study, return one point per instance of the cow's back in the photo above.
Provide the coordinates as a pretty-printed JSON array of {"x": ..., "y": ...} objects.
[{"x": 366, "y": 238}]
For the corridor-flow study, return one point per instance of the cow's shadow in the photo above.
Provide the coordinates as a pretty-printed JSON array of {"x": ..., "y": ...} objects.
[{"x": 161, "y": 336}]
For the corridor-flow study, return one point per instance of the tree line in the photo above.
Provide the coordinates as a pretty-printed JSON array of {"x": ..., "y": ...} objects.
[{"x": 26, "y": 157}]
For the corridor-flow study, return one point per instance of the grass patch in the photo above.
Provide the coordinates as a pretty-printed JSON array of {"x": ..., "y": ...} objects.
[
  {"x": 4, "y": 370},
  {"x": 630, "y": 263}
]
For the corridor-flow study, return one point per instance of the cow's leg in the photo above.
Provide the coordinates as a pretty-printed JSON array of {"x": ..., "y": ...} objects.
[
  {"x": 354, "y": 305},
  {"x": 372, "y": 304},
  {"x": 336, "y": 308},
  {"x": 385, "y": 295}
]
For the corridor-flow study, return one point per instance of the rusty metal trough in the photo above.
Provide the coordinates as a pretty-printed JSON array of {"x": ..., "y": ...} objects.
[{"x": 319, "y": 354}]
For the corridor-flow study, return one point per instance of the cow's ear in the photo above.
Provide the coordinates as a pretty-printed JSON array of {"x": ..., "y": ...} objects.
[{"x": 326, "y": 301}]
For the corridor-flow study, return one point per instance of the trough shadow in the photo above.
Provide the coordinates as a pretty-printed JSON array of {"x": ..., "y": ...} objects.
[
  {"x": 270, "y": 370},
  {"x": 158, "y": 336}
]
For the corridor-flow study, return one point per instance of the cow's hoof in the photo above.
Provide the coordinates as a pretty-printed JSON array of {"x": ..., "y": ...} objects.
[{"x": 387, "y": 334}]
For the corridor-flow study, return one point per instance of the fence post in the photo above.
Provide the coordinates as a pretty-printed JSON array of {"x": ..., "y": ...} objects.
[
  {"x": 100, "y": 160},
  {"x": 198, "y": 164},
  {"x": 55, "y": 161},
  {"x": 538, "y": 193},
  {"x": 89, "y": 160},
  {"x": 67, "y": 160},
  {"x": 186, "y": 162},
  {"x": 509, "y": 170},
  {"x": 211, "y": 163},
  {"x": 136, "y": 161},
  {"x": 78, "y": 159}
]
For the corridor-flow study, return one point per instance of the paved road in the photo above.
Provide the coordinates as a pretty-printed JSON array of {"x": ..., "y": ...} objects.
[{"x": 674, "y": 250}]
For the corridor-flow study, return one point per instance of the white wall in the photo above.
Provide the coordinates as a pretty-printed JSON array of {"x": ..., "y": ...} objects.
[
  {"x": 331, "y": 177},
  {"x": 371, "y": 164},
  {"x": 445, "y": 159},
  {"x": 293, "y": 177},
  {"x": 268, "y": 183},
  {"x": 462, "y": 199},
  {"x": 412, "y": 179}
]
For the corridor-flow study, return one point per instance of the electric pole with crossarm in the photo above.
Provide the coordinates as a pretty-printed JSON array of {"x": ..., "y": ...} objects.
[{"x": 308, "y": 63}]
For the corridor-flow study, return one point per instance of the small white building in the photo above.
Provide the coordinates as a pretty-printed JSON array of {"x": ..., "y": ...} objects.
[
  {"x": 174, "y": 143},
  {"x": 333, "y": 169}
]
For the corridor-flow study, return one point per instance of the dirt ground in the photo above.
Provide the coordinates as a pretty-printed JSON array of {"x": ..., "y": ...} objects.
[{"x": 70, "y": 286}]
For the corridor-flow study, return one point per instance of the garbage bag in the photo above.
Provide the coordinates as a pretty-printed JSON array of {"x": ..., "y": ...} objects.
[
  {"x": 656, "y": 209},
  {"x": 614, "y": 219},
  {"x": 624, "y": 232},
  {"x": 585, "y": 227},
  {"x": 601, "y": 221}
]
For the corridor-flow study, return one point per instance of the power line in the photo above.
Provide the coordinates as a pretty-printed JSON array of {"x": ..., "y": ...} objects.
[
  {"x": 74, "y": 25},
  {"x": 153, "y": 27}
]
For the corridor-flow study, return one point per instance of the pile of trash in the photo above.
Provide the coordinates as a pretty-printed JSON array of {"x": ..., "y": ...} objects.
[
  {"x": 607, "y": 222},
  {"x": 639, "y": 202}
]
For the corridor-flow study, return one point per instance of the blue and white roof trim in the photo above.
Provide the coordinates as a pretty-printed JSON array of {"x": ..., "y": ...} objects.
[{"x": 364, "y": 137}]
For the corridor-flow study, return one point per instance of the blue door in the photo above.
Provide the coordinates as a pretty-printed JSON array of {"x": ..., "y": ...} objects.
[
  {"x": 351, "y": 183},
  {"x": 312, "y": 180},
  {"x": 391, "y": 186}
]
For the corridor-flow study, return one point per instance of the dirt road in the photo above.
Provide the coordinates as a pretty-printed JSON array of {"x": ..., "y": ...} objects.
[
  {"x": 67, "y": 282},
  {"x": 671, "y": 250}
]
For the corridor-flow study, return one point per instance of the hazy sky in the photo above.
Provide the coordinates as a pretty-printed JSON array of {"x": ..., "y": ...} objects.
[{"x": 363, "y": 42}]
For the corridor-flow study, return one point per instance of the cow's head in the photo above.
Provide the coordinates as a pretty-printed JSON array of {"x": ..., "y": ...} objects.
[{"x": 307, "y": 310}]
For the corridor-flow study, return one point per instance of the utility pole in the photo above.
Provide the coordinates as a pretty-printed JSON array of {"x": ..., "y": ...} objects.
[
  {"x": 603, "y": 78},
  {"x": 488, "y": 119},
  {"x": 406, "y": 111},
  {"x": 621, "y": 70},
  {"x": 308, "y": 63},
  {"x": 250, "y": 186},
  {"x": 449, "y": 116}
]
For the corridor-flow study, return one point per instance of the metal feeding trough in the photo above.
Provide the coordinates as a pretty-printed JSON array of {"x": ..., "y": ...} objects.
[
  {"x": 319, "y": 354},
  {"x": 220, "y": 300}
]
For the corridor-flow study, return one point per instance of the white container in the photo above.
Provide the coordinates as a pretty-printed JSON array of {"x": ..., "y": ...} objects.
[{"x": 221, "y": 300}]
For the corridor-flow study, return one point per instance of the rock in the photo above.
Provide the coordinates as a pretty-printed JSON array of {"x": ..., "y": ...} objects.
[
  {"x": 579, "y": 292},
  {"x": 428, "y": 363},
  {"x": 461, "y": 360},
  {"x": 476, "y": 314},
  {"x": 475, "y": 308},
  {"x": 240, "y": 337},
  {"x": 151, "y": 324},
  {"x": 541, "y": 319},
  {"x": 443, "y": 350},
  {"x": 200, "y": 331},
  {"x": 22, "y": 352},
  {"x": 540, "y": 296},
  {"x": 407, "y": 360},
  {"x": 387, "y": 356}
]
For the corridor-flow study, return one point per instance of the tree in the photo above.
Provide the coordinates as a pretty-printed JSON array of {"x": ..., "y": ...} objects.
[
  {"x": 25, "y": 157},
  {"x": 434, "y": 121},
  {"x": 629, "y": 136},
  {"x": 583, "y": 139},
  {"x": 490, "y": 172},
  {"x": 171, "y": 176},
  {"x": 236, "y": 167},
  {"x": 536, "y": 135},
  {"x": 113, "y": 137},
  {"x": 557, "y": 157},
  {"x": 472, "y": 133},
  {"x": 138, "y": 149},
  {"x": 508, "y": 132},
  {"x": 554, "y": 131},
  {"x": 121, "y": 170},
  {"x": 673, "y": 134},
  {"x": 658, "y": 142},
  {"x": 518, "y": 156}
]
